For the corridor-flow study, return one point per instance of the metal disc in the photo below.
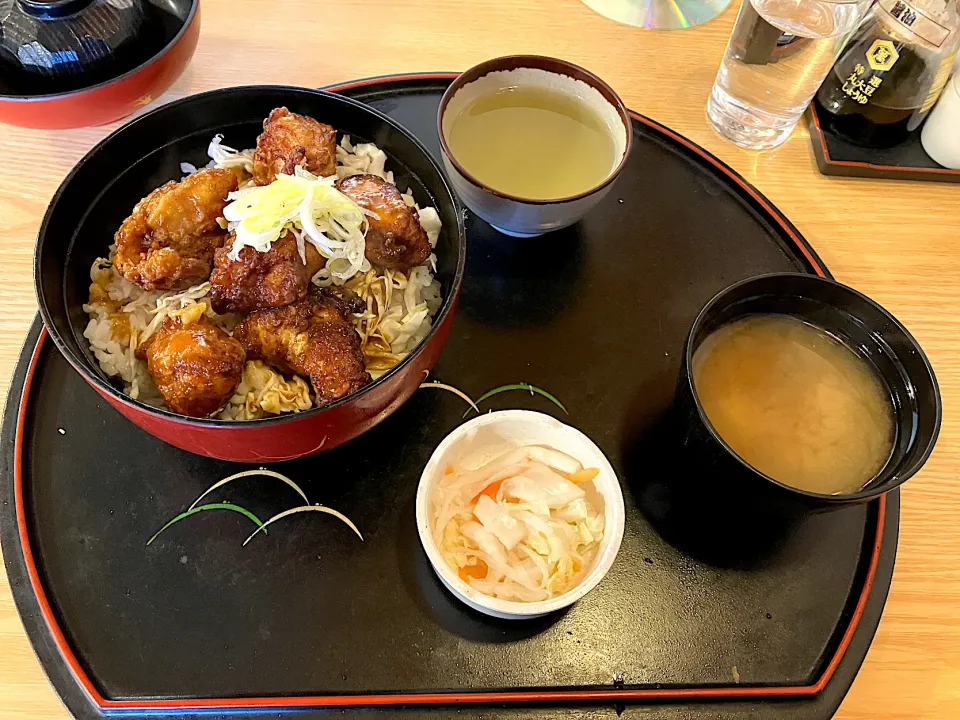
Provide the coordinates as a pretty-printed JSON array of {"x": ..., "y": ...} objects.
[{"x": 659, "y": 14}]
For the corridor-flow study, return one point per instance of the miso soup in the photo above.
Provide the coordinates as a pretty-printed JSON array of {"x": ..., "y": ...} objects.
[{"x": 795, "y": 403}]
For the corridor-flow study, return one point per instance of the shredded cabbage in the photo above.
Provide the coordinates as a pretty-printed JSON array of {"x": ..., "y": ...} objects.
[
  {"x": 310, "y": 206},
  {"x": 361, "y": 159},
  {"x": 399, "y": 313},
  {"x": 263, "y": 391},
  {"x": 223, "y": 156},
  {"x": 518, "y": 528},
  {"x": 171, "y": 304}
]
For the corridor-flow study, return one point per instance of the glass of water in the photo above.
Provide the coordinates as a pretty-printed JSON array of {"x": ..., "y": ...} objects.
[{"x": 779, "y": 53}]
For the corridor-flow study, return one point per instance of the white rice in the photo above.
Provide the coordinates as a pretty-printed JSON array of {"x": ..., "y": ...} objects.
[{"x": 399, "y": 313}]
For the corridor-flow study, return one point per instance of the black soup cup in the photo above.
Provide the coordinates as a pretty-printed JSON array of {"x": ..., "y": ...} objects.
[{"x": 724, "y": 477}]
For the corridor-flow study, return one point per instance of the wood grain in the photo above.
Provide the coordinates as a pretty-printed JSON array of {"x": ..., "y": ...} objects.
[{"x": 898, "y": 242}]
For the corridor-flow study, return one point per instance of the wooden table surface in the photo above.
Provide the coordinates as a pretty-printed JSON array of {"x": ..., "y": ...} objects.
[{"x": 898, "y": 242}]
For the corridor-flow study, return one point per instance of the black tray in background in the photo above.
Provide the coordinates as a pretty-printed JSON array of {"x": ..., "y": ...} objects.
[
  {"x": 308, "y": 617},
  {"x": 906, "y": 161}
]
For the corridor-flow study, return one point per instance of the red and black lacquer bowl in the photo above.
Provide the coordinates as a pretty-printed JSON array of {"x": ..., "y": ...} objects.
[
  {"x": 72, "y": 63},
  {"x": 100, "y": 191}
]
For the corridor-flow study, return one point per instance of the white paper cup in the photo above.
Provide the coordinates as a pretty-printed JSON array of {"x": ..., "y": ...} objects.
[
  {"x": 940, "y": 136},
  {"x": 489, "y": 436}
]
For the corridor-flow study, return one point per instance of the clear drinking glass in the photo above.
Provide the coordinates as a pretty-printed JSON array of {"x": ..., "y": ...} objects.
[{"x": 779, "y": 53}]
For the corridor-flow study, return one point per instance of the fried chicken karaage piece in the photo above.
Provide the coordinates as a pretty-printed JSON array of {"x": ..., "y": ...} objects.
[
  {"x": 258, "y": 280},
  {"x": 196, "y": 366},
  {"x": 395, "y": 238},
  {"x": 169, "y": 239},
  {"x": 289, "y": 141},
  {"x": 313, "y": 337}
]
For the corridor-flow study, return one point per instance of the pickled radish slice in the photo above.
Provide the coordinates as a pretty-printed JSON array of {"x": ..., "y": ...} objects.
[{"x": 522, "y": 527}]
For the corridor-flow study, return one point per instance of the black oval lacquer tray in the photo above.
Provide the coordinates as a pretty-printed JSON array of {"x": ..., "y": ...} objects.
[{"x": 699, "y": 619}]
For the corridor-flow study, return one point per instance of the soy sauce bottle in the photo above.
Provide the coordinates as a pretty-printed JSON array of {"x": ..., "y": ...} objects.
[{"x": 892, "y": 71}]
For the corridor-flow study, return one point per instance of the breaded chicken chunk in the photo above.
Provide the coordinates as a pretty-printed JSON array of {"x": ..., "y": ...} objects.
[
  {"x": 289, "y": 141},
  {"x": 314, "y": 338},
  {"x": 257, "y": 280},
  {"x": 196, "y": 366},
  {"x": 395, "y": 238},
  {"x": 169, "y": 239}
]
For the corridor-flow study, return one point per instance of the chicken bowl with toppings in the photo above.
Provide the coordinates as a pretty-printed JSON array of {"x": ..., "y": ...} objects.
[{"x": 253, "y": 274}]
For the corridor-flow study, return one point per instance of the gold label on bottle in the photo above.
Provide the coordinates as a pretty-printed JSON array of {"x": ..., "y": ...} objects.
[
  {"x": 860, "y": 90},
  {"x": 882, "y": 55}
]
